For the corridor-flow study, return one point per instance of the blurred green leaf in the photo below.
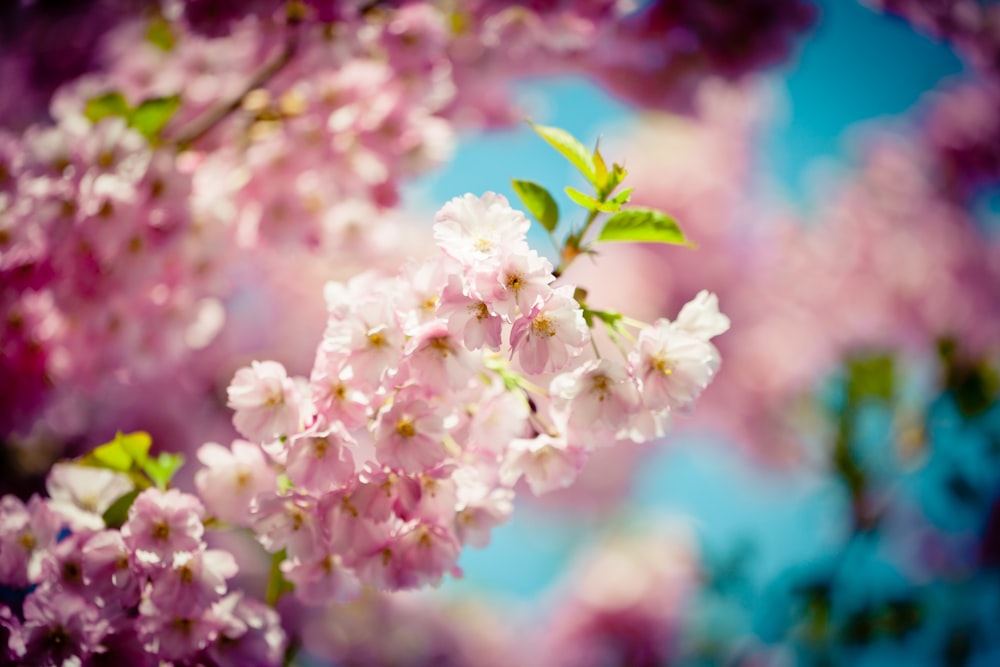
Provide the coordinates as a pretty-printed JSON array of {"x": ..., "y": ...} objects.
[
  {"x": 162, "y": 469},
  {"x": 870, "y": 377},
  {"x": 104, "y": 106},
  {"x": 150, "y": 117},
  {"x": 539, "y": 203},
  {"x": 117, "y": 514},
  {"x": 570, "y": 148},
  {"x": 160, "y": 34},
  {"x": 589, "y": 202},
  {"x": 643, "y": 225},
  {"x": 277, "y": 585}
]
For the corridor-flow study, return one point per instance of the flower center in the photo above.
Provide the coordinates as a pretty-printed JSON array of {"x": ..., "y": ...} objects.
[
  {"x": 161, "y": 531},
  {"x": 405, "y": 429},
  {"x": 542, "y": 326}
]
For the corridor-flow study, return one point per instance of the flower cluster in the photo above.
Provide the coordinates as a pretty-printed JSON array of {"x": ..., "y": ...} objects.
[
  {"x": 434, "y": 391},
  {"x": 148, "y": 592}
]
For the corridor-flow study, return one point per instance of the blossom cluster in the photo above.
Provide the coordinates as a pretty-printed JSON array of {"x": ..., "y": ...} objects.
[
  {"x": 434, "y": 391},
  {"x": 147, "y": 592}
]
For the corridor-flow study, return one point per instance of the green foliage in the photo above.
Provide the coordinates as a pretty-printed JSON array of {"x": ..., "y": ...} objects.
[
  {"x": 159, "y": 33},
  {"x": 870, "y": 377},
  {"x": 590, "y": 203},
  {"x": 125, "y": 452},
  {"x": 117, "y": 514},
  {"x": 539, "y": 203},
  {"x": 570, "y": 148},
  {"x": 162, "y": 469},
  {"x": 277, "y": 585},
  {"x": 128, "y": 453},
  {"x": 973, "y": 383},
  {"x": 103, "y": 106},
  {"x": 643, "y": 225},
  {"x": 148, "y": 119}
]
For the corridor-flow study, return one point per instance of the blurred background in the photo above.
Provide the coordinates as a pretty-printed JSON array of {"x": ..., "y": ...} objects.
[{"x": 833, "y": 499}]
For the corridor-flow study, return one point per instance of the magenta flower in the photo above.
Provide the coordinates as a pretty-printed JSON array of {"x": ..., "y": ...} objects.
[
  {"x": 59, "y": 629},
  {"x": 25, "y": 532},
  {"x": 193, "y": 582},
  {"x": 163, "y": 523}
]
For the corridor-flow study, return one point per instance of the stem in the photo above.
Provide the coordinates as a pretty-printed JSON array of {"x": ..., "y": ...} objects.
[
  {"x": 572, "y": 248},
  {"x": 277, "y": 585},
  {"x": 200, "y": 126}
]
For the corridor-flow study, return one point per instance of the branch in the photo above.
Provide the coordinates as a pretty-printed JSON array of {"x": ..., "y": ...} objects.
[{"x": 215, "y": 115}]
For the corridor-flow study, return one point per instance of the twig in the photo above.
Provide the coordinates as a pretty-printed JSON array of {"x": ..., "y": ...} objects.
[{"x": 215, "y": 115}]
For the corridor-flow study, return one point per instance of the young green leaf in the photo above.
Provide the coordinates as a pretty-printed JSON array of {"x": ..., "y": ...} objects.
[
  {"x": 110, "y": 104},
  {"x": 571, "y": 149},
  {"x": 539, "y": 203},
  {"x": 162, "y": 469},
  {"x": 622, "y": 197},
  {"x": 117, "y": 514},
  {"x": 136, "y": 445},
  {"x": 111, "y": 456},
  {"x": 277, "y": 585},
  {"x": 160, "y": 34},
  {"x": 150, "y": 117},
  {"x": 600, "y": 169},
  {"x": 644, "y": 226},
  {"x": 589, "y": 202}
]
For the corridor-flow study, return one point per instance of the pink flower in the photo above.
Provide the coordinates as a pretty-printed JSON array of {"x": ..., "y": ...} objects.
[
  {"x": 471, "y": 228},
  {"x": 267, "y": 402},
  {"x": 409, "y": 434},
  {"x": 673, "y": 365},
  {"x": 60, "y": 628},
  {"x": 175, "y": 637},
  {"x": 546, "y": 463},
  {"x": 322, "y": 581},
  {"x": 161, "y": 524},
  {"x": 82, "y": 494},
  {"x": 289, "y": 522},
  {"x": 250, "y": 635},
  {"x": 25, "y": 532},
  {"x": 106, "y": 570},
  {"x": 321, "y": 461},
  {"x": 193, "y": 582},
  {"x": 547, "y": 337},
  {"x": 469, "y": 317},
  {"x": 437, "y": 360},
  {"x": 700, "y": 317},
  {"x": 600, "y": 396},
  {"x": 519, "y": 281},
  {"x": 232, "y": 478}
]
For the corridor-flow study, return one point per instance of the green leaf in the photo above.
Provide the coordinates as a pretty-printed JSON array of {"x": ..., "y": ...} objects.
[
  {"x": 160, "y": 34},
  {"x": 162, "y": 469},
  {"x": 277, "y": 585},
  {"x": 136, "y": 445},
  {"x": 622, "y": 197},
  {"x": 615, "y": 178},
  {"x": 571, "y": 149},
  {"x": 643, "y": 225},
  {"x": 117, "y": 514},
  {"x": 600, "y": 167},
  {"x": 150, "y": 117},
  {"x": 539, "y": 203},
  {"x": 589, "y": 202},
  {"x": 104, "y": 106},
  {"x": 870, "y": 377}
]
